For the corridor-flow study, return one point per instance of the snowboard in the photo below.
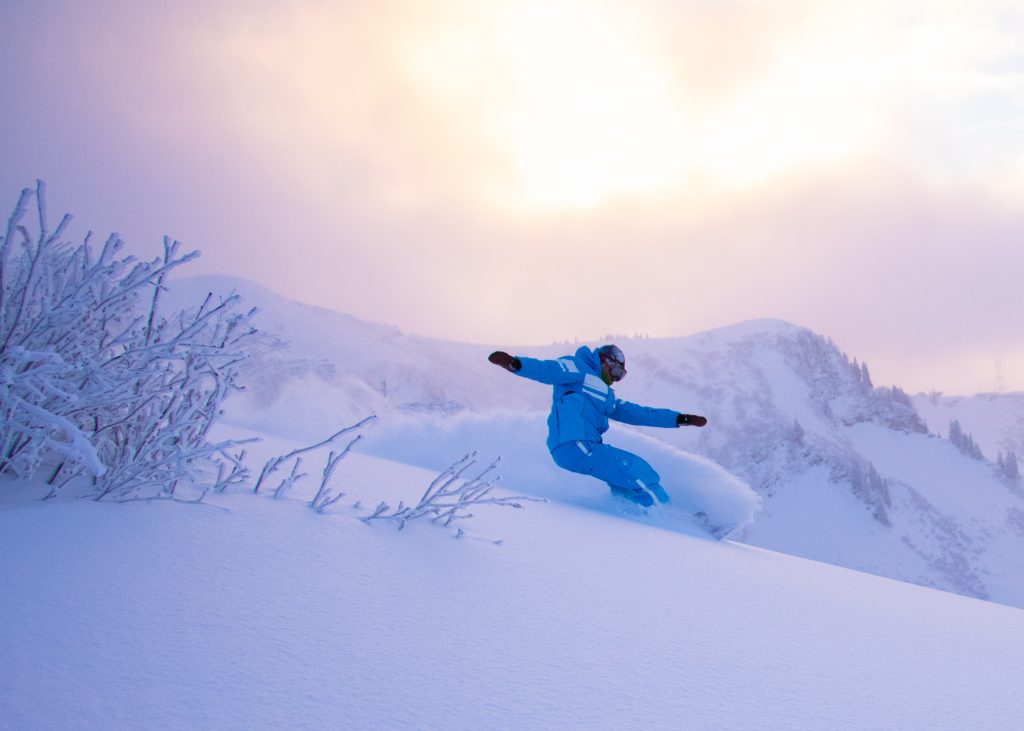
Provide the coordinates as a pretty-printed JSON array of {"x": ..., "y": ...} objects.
[
  {"x": 641, "y": 496},
  {"x": 644, "y": 499},
  {"x": 718, "y": 532}
]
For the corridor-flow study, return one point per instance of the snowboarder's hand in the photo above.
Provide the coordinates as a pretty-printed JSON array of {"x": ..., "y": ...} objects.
[
  {"x": 506, "y": 361},
  {"x": 690, "y": 420}
]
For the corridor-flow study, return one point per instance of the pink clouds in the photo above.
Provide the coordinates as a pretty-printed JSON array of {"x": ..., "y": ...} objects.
[{"x": 452, "y": 169}]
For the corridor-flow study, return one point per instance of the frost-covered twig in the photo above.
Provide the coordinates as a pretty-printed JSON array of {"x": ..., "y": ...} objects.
[
  {"x": 323, "y": 498},
  {"x": 295, "y": 476},
  {"x": 272, "y": 464},
  {"x": 446, "y": 500},
  {"x": 239, "y": 472}
]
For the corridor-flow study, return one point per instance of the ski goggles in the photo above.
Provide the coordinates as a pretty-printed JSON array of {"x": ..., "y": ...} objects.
[{"x": 614, "y": 362}]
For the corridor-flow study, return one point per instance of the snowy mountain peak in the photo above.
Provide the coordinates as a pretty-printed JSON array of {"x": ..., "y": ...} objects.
[{"x": 756, "y": 328}]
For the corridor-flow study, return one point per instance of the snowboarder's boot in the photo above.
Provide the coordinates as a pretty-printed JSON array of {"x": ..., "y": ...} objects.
[
  {"x": 634, "y": 495},
  {"x": 717, "y": 531},
  {"x": 659, "y": 492}
]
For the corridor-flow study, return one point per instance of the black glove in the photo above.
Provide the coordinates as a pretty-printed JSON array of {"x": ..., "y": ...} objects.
[
  {"x": 690, "y": 420},
  {"x": 506, "y": 361}
]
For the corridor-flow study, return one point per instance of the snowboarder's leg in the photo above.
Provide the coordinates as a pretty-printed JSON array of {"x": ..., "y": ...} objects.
[{"x": 627, "y": 475}]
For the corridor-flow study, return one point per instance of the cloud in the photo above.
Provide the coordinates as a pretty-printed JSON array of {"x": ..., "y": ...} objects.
[{"x": 538, "y": 171}]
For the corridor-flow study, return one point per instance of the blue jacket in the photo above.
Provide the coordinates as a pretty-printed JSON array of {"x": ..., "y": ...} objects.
[{"x": 582, "y": 403}]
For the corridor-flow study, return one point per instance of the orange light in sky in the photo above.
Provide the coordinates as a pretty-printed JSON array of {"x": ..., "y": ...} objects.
[
  {"x": 809, "y": 160},
  {"x": 578, "y": 107},
  {"x": 582, "y": 102},
  {"x": 538, "y": 107}
]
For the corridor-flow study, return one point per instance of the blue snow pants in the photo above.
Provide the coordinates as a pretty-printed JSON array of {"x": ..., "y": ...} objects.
[{"x": 627, "y": 475}]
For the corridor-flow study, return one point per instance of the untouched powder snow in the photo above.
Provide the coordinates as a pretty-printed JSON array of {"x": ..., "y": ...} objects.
[{"x": 256, "y": 613}]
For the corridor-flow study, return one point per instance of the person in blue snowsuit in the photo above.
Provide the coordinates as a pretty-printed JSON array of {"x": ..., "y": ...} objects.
[{"x": 582, "y": 403}]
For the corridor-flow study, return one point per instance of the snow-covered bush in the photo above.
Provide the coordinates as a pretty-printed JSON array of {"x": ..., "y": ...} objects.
[
  {"x": 447, "y": 499},
  {"x": 93, "y": 380}
]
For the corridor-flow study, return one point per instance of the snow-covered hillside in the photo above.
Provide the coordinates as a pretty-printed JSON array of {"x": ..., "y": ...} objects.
[
  {"x": 248, "y": 612},
  {"x": 849, "y": 473}
]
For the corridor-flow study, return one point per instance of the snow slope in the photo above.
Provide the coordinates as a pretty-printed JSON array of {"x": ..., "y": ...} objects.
[
  {"x": 255, "y": 613},
  {"x": 847, "y": 473}
]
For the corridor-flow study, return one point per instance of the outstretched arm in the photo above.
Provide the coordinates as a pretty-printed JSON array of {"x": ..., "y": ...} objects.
[
  {"x": 563, "y": 370},
  {"x": 630, "y": 413}
]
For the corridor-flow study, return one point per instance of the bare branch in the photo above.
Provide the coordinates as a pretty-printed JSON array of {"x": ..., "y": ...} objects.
[
  {"x": 271, "y": 465},
  {"x": 445, "y": 501},
  {"x": 322, "y": 499}
]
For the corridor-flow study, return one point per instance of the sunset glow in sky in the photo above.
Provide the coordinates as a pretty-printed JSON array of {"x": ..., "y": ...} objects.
[{"x": 522, "y": 172}]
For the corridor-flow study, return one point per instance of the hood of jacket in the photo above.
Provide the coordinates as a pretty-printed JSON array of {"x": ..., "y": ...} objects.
[{"x": 590, "y": 358}]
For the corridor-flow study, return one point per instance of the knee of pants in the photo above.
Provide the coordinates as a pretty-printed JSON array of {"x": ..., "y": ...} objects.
[
  {"x": 610, "y": 464},
  {"x": 629, "y": 469},
  {"x": 573, "y": 456},
  {"x": 648, "y": 474}
]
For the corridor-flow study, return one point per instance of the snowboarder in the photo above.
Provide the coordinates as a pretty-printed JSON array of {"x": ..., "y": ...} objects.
[{"x": 583, "y": 401}]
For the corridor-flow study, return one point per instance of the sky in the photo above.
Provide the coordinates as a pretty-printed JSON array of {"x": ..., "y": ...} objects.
[{"x": 518, "y": 173}]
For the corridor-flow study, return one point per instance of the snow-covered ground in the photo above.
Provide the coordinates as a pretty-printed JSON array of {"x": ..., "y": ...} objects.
[{"x": 252, "y": 613}]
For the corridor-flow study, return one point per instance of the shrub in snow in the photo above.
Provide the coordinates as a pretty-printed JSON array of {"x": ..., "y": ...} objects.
[
  {"x": 323, "y": 498},
  {"x": 93, "y": 381},
  {"x": 447, "y": 499}
]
